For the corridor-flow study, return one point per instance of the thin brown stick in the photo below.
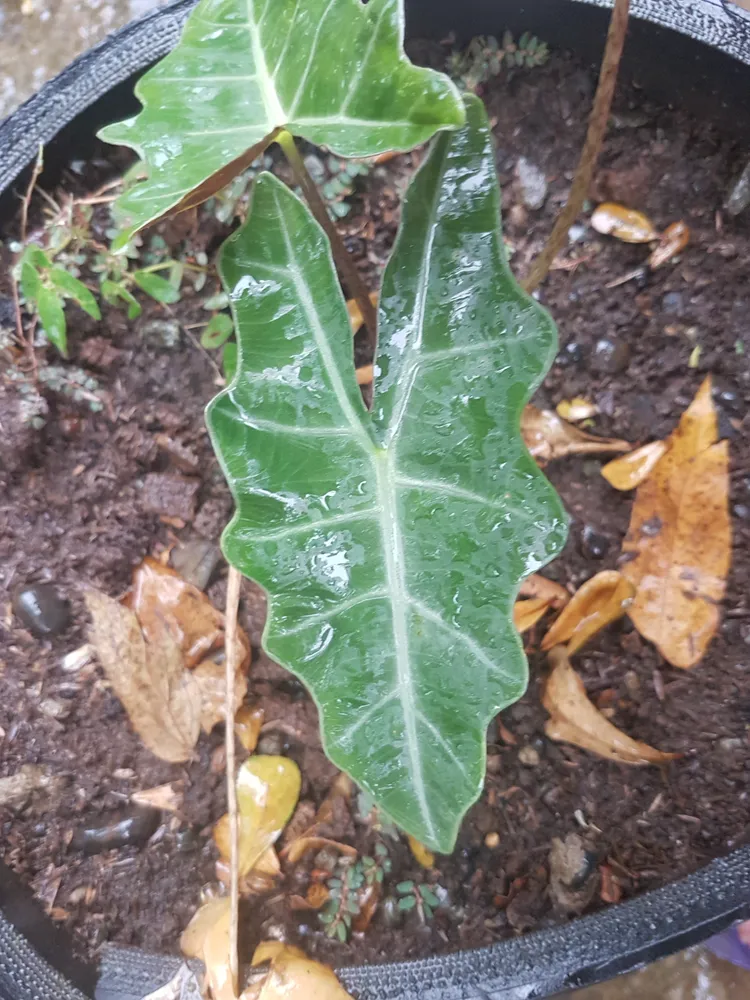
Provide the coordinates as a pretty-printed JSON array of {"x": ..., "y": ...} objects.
[
  {"x": 354, "y": 283},
  {"x": 230, "y": 657},
  {"x": 26, "y": 200},
  {"x": 590, "y": 154}
]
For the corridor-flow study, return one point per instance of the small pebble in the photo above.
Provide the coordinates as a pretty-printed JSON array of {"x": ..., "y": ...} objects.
[
  {"x": 571, "y": 354},
  {"x": 54, "y": 708},
  {"x": 41, "y": 609},
  {"x": 594, "y": 544},
  {"x": 163, "y": 333},
  {"x": 577, "y": 232},
  {"x": 738, "y": 195},
  {"x": 610, "y": 356},
  {"x": 742, "y": 511},
  {"x": 326, "y": 859},
  {"x": 532, "y": 182},
  {"x": 186, "y": 841},
  {"x": 730, "y": 743},
  {"x": 492, "y": 840},
  {"x": 195, "y": 560},
  {"x": 528, "y": 756},
  {"x": 273, "y": 743},
  {"x": 672, "y": 302},
  {"x": 131, "y": 830}
]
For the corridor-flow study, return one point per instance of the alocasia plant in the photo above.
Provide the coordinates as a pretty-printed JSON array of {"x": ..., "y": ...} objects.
[
  {"x": 331, "y": 71},
  {"x": 391, "y": 542}
]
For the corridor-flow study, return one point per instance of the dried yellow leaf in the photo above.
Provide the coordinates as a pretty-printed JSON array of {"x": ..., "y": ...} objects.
[
  {"x": 630, "y": 470},
  {"x": 680, "y": 538},
  {"x": 574, "y": 719},
  {"x": 299, "y": 847},
  {"x": 248, "y": 722},
  {"x": 539, "y": 586},
  {"x": 626, "y": 224},
  {"x": 601, "y": 600},
  {"x": 355, "y": 313},
  {"x": 206, "y": 938},
  {"x": 527, "y": 613},
  {"x": 576, "y": 409},
  {"x": 294, "y": 976}
]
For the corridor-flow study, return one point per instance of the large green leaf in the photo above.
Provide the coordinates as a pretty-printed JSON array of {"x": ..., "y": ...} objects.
[
  {"x": 333, "y": 71},
  {"x": 392, "y": 544}
]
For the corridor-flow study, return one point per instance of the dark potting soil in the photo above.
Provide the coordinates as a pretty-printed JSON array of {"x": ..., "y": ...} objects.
[{"x": 87, "y": 496}]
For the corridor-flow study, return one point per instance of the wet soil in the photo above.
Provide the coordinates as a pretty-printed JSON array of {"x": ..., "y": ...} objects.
[{"x": 80, "y": 507}]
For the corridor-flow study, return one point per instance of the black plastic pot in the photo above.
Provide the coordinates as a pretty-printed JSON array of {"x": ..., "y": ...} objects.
[{"x": 702, "y": 61}]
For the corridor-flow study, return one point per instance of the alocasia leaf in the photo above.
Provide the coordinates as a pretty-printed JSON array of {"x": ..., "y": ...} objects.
[
  {"x": 392, "y": 544},
  {"x": 332, "y": 71}
]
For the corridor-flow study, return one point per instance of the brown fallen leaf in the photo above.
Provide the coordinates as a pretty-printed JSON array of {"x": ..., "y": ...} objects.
[
  {"x": 294, "y": 976},
  {"x": 162, "y": 599},
  {"x": 209, "y": 676},
  {"x": 162, "y": 699},
  {"x": 679, "y": 538},
  {"x": 248, "y": 722},
  {"x": 601, "y": 600},
  {"x": 206, "y": 938},
  {"x": 166, "y": 797},
  {"x": 574, "y": 719},
  {"x": 548, "y": 436},
  {"x": 527, "y": 613},
  {"x": 672, "y": 241},
  {"x": 629, "y": 471},
  {"x": 333, "y": 811},
  {"x": 260, "y": 879},
  {"x": 539, "y": 586},
  {"x": 267, "y": 792}
]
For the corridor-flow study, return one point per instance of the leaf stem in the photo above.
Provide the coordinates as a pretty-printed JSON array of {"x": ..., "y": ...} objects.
[
  {"x": 230, "y": 648},
  {"x": 354, "y": 283},
  {"x": 590, "y": 154},
  {"x": 26, "y": 200}
]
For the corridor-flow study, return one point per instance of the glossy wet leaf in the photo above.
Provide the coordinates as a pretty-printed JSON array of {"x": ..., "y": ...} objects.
[
  {"x": 31, "y": 281},
  {"x": 626, "y": 224},
  {"x": 267, "y": 793},
  {"x": 574, "y": 719},
  {"x": 52, "y": 317},
  {"x": 147, "y": 675},
  {"x": 76, "y": 290},
  {"x": 597, "y": 603},
  {"x": 548, "y": 436},
  {"x": 392, "y": 544},
  {"x": 206, "y": 938},
  {"x": 630, "y": 471},
  {"x": 294, "y": 976},
  {"x": 680, "y": 538},
  {"x": 229, "y": 361},
  {"x": 331, "y": 71}
]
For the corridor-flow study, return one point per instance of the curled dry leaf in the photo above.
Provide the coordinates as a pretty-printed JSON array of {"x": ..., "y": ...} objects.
[
  {"x": 423, "y": 855},
  {"x": 629, "y": 471},
  {"x": 299, "y": 847},
  {"x": 527, "y": 613},
  {"x": 206, "y": 938},
  {"x": 601, "y": 600},
  {"x": 576, "y": 409},
  {"x": 248, "y": 723},
  {"x": 679, "y": 538},
  {"x": 539, "y": 586},
  {"x": 548, "y": 436},
  {"x": 294, "y": 976},
  {"x": 162, "y": 699},
  {"x": 267, "y": 792},
  {"x": 365, "y": 374},
  {"x": 161, "y": 599},
  {"x": 672, "y": 241},
  {"x": 166, "y": 797},
  {"x": 574, "y": 719},
  {"x": 262, "y": 877},
  {"x": 626, "y": 224}
]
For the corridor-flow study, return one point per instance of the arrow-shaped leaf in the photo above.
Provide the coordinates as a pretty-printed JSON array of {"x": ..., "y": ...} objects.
[
  {"x": 392, "y": 545},
  {"x": 332, "y": 71}
]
